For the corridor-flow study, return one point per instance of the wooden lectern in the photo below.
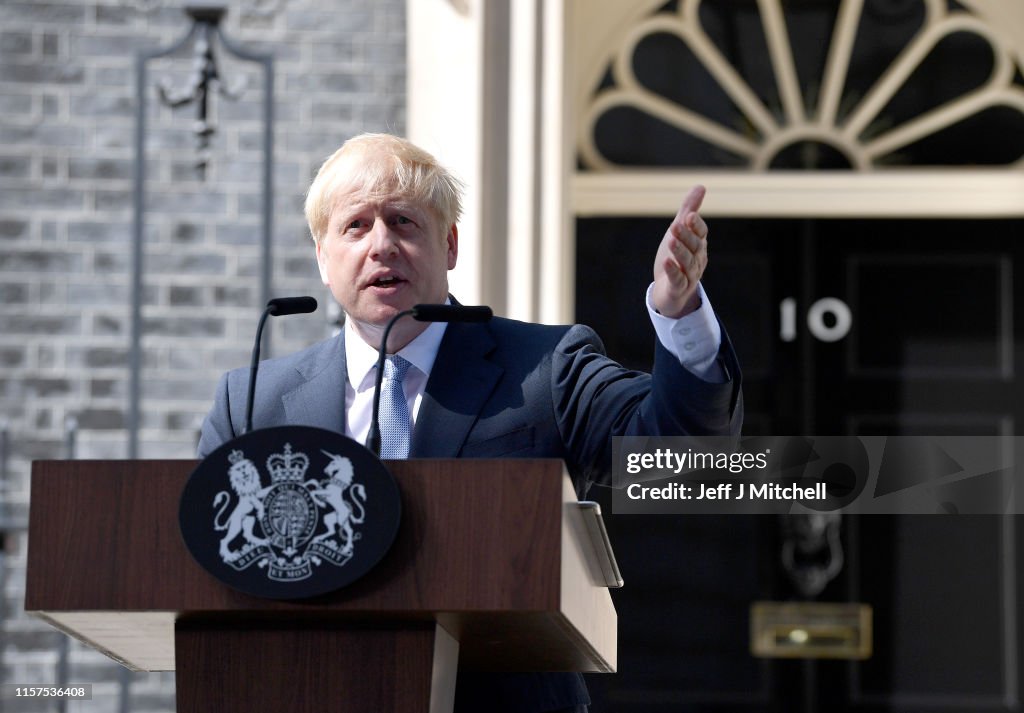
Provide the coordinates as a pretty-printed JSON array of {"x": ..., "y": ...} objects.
[{"x": 493, "y": 569}]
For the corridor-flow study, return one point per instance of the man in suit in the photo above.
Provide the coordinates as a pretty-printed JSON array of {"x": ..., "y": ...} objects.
[{"x": 383, "y": 214}]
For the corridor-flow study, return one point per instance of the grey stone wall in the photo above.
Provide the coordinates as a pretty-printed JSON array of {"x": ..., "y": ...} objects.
[{"x": 67, "y": 102}]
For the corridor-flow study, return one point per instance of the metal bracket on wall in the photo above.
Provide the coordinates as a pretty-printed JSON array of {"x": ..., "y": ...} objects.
[{"x": 206, "y": 28}]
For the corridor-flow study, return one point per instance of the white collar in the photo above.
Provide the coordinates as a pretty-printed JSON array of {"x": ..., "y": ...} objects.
[{"x": 361, "y": 358}]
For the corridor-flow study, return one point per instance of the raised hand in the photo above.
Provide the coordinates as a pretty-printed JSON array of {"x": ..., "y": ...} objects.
[{"x": 681, "y": 259}]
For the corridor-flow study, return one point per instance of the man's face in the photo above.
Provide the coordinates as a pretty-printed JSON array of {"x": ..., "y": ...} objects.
[{"x": 381, "y": 256}]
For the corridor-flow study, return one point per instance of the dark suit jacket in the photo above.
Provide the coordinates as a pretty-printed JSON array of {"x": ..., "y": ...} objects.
[{"x": 505, "y": 389}]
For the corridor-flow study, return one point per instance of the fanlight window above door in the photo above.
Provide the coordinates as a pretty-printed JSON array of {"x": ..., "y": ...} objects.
[{"x": 757, "y": 85}]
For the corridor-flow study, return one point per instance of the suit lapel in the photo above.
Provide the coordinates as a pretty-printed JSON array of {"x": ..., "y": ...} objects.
[
  {"x": 320, "y": 400},
  {"x": 460, "y": 382}
]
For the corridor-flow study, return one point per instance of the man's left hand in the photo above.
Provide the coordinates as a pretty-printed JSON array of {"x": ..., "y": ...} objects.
[{"x": 681, "y": 259}]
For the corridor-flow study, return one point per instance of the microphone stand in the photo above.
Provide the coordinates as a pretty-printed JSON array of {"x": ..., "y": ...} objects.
[
  {"x": 422, "y": 313},
  {"x": 373, "y": 436},
  {"x": 275, "y": 307}
]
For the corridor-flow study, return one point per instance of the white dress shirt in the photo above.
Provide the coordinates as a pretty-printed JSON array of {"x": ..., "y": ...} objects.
[{"x": 693, "y": 339}]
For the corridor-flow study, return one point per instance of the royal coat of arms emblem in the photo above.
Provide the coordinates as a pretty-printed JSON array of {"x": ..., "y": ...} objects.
[
  {"x": 277, "y": 524},
  {"x": 290, "y": 511}
]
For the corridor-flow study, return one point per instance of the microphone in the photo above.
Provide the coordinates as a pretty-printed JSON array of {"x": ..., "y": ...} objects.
[
  {"x": 421, "y": 313},
  {"x": 276, "y": 307},
  {"x": 280, "y": 306},
  {"x": 451, "y": 313}
]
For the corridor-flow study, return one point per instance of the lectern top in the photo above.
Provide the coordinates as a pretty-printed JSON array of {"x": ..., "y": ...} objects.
[{"x": 494, "y": 550}]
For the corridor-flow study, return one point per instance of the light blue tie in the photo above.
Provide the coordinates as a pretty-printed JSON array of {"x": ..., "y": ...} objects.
[{"x": 395, "y": 420}]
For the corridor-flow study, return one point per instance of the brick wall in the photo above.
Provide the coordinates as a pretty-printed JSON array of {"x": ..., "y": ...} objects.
[{"x": 67, "y": 103}]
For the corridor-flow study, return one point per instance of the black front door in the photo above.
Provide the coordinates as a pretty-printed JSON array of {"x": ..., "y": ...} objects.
[{"x": 855, "y": 327}]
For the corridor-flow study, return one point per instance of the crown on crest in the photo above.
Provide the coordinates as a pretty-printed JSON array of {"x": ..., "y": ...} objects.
[
  {"x": 235, "y": 456},
  {"x": 287, "y": 467}
]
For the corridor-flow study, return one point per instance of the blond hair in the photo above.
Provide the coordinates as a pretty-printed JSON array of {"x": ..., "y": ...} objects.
[{"x": 377, "y": 165}]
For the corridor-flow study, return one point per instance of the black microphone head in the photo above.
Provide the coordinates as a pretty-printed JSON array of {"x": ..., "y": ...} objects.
[
  {"x": 290, "y": 305},
  {"x": 451, "y": 313}
]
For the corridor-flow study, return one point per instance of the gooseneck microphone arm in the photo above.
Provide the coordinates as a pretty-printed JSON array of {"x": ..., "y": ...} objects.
[
  {"x": 275, "y": 308},
  {"x": 421, "y": 313},
  {"x": 373, "y": 435}
]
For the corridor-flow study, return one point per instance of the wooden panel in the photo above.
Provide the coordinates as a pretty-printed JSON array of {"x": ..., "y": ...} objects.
[
  {"x": 106, "y": 537},
  {"x": 247, "y": 670},
  {"x": 480, "y": 549}
]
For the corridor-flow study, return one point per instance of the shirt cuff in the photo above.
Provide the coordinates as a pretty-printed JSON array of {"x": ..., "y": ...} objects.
[{"x": 693, "y": 339}]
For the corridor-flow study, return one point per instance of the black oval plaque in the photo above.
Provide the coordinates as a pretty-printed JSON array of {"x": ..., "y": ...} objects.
[{"x": 290, "y": 512}]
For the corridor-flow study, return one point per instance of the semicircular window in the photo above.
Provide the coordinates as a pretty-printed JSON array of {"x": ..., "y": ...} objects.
[{"x": 813, "y": 85}]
